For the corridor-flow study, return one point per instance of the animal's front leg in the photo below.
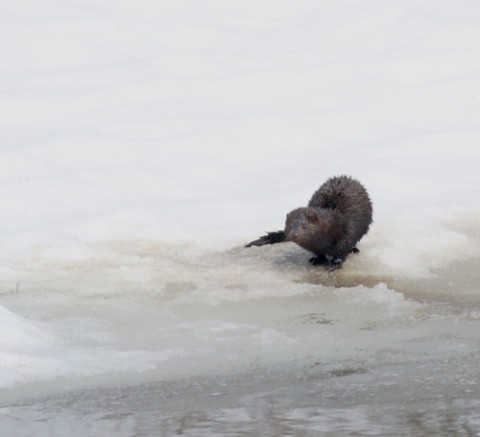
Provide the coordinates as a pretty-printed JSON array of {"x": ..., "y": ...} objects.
[
  {"x": 334, "y": 263},
  {"x": 319, "y": 260}
]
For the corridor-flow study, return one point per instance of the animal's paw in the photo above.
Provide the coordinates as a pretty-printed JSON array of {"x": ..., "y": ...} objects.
[
  {"x": 318, "y": 260},
  {"x": 334, "y": 263},
  {"x": 330, "y": 262},
  {"x": 314, "y": 261},
  {"x": 354, "y": 249}
]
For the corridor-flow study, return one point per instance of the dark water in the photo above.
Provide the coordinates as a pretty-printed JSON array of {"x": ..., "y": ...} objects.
[{"x": 440, "y": 398}]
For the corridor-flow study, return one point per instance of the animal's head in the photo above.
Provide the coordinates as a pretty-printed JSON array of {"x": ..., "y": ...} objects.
[{"x": 300, "y": 224}]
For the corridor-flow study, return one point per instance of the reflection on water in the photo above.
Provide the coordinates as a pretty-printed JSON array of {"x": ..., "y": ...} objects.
[{"x": 431, "y": 399}]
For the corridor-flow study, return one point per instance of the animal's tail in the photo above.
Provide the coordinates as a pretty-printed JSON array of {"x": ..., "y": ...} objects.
[{"x": 270, "y": 238}]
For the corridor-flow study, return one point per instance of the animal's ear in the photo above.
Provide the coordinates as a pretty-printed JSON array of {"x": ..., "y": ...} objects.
[{"x": 312, "y": 216}]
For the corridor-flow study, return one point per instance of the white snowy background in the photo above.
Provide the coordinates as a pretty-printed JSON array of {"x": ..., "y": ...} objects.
[{"x": 201, "y": 124}]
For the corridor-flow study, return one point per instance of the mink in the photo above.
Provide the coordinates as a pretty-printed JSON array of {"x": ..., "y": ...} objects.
[{"x": 338, "y": 215}]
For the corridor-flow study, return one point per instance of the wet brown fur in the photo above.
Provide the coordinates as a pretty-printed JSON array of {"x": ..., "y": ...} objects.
[{"x": 338, "y": 215}]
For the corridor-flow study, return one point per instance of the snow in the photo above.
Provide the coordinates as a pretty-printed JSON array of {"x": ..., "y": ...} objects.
[{"x": 196, "y": 126}]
